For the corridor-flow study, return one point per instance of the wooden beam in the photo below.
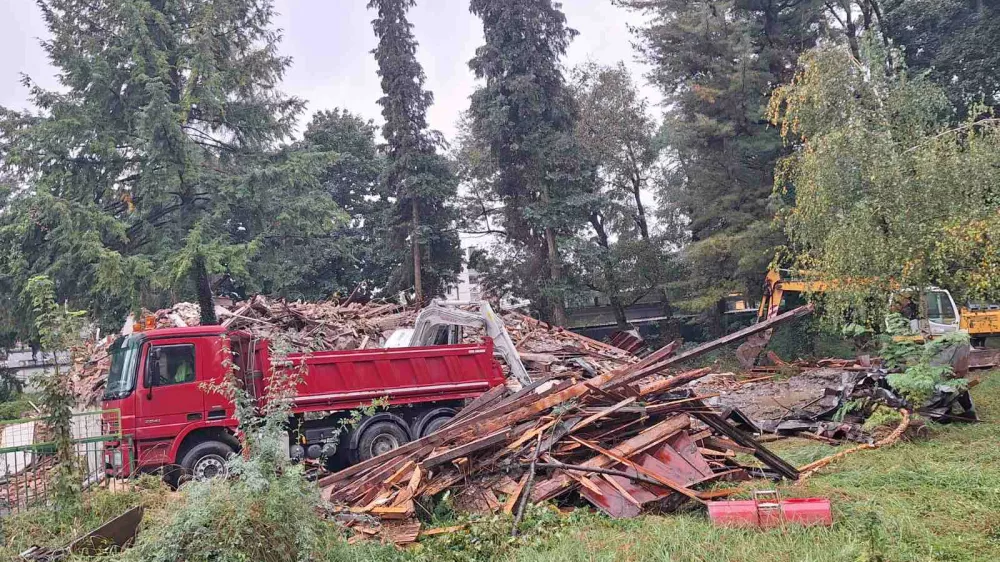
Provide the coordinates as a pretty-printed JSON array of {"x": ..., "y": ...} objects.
[
  {"x": 673, "y": 382},
  {"x": 663, "y": 480},
  {"x": 465, "y": 450},
  {"x": 632, "y": 374},
  {"x": 602, "y": 414}
]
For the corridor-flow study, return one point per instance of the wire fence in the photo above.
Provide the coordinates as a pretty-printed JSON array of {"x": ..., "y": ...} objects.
[{"x": 28, "y": 457}]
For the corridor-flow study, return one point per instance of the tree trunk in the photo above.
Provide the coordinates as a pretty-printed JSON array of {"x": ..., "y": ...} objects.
[
  {"x": 555, "y": 274},
  {"x": 205, "y": 301},
  {"x": 621, "y": 321},
  {"x": 640, "y": 215},
  {"x": 610, "y": 279},
  {"x": 852, "y": 32},
  {"x": 418, "y": 280}
]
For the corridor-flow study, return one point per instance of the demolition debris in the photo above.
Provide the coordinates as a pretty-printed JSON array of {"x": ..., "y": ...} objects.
[{"x": 627, "y": 441}]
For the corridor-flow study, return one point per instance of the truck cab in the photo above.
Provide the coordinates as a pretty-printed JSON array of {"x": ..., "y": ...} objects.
[{"x": 160, "y": 382}]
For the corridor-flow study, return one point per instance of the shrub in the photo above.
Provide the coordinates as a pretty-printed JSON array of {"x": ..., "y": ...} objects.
[
  {"x": 917, "y": 383},
  {"x": 883, "y": 416},
  {"x": 237, "y": 521}
]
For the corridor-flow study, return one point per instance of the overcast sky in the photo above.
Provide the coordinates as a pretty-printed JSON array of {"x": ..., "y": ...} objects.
[{"x": 330, "y": 42}]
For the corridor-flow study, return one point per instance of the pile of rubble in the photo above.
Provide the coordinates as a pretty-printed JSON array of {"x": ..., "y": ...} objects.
[
  {"x": 627, "y": 440},
  {"x": 329, "y": 325},
  {"x": 829, "y": 400}
]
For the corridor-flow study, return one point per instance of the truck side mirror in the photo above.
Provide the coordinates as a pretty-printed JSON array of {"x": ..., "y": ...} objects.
[{"x": 152, "y": 375}]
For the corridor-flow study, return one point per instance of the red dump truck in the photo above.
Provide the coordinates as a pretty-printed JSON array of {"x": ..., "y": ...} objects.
[{"x": 160, "y": 382}]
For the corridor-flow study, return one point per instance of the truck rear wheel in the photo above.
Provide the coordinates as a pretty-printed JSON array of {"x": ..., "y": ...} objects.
[
  {"x": 380, "y": 438},
  {"x": 207, "y": 460},
  {"x": 435, "y": 424}
]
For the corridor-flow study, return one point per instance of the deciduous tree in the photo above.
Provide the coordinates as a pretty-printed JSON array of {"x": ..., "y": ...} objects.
[
  {"x": 621, "y": 255},
  {"x": 890, "y": 192}
]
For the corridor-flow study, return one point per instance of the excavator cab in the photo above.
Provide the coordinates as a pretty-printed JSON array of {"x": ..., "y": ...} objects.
[{"x": 942, "y": 314}]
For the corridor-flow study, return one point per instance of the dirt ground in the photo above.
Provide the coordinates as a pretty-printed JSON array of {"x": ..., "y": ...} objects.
[{"x": 774, "y": 399}]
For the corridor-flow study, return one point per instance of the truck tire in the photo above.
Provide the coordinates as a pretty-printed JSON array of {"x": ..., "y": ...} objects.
[
  {"x": 435, "y": 424},
  {"x": 207, "y": 460},
  {"x": 380, "y": 438}
]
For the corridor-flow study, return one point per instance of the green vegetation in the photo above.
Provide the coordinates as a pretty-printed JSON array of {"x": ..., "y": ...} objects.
[
  {"x": 872, "y": 198},
  {"x": 931, "y": 499}
]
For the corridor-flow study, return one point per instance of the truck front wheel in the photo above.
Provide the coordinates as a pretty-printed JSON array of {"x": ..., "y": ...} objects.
[
  {"x": 207, "y": 460},
  {"x": 380, "y": 438}
]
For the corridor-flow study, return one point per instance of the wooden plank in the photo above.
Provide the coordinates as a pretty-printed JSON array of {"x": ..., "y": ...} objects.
[
  {"x": 443, "y": 435},
  {"x": 442, "y": 531},
  {"x": 410, "y": 491},
  {"x": 636, "y": 374},
  {"x": 761, "y": 452},
  {"x": 394, "y": 512},
  {"x": 402, "y": 534},
  {"x": 400, "y": 474},
  {"x": 511, "y": 503},
  {"x": 505, "y": 485},
  {"x": 558, "y": 482},
  {"x": 464, "y": 450},
  {"x": 602, "y": 414},
  {"x": 673, "y": 382},
  {"x": 442, "y": 482},
  {"x": 532, "y": 410},
  {"x": 528, "y": 436},
  {"x": 723, "y": 444}
]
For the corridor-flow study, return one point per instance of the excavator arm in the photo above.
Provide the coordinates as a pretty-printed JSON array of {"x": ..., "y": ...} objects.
[
  {"x": 443, "y": 315},
  {"x": 776, "y": 284}
]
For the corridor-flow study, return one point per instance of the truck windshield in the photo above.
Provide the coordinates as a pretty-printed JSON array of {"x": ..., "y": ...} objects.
[{"x": 124, "y": 361}]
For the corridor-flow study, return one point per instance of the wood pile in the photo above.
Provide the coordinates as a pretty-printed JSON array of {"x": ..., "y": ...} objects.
[
  {"x": 627, "y": 441},
  {"x": 328, "y": 325},
  {"x": 547, "y": 349},
  {"x": 325, "y": 325},
  {"x": 305, "y": 326},
  {"x": 28, "y": 485}
]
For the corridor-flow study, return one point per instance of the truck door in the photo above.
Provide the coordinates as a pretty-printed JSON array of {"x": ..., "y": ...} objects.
[
  {"x": 942, "y": 314},
  {"x": 169, "y": 395}
]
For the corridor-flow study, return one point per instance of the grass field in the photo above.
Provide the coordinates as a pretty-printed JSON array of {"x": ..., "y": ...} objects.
[
  {"x": 937, "y": 498},
  {"x": 933, "y": 499}
]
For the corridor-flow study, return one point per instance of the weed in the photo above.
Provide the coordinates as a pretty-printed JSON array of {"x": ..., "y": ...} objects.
[{"x": 882, "y": 416}]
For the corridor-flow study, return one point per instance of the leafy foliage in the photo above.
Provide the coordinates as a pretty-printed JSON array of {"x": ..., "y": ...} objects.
[
  {"x": 356, "y": 257},
  {"x": 152, "y": 168},
  {"x": 11, "y": 386},
  {"x": 489, "y": 537},
  {"x": 882, "y": 416},
  {"x": 58, "y": 329},
  {"x": 620, "y": 255},
  {"x": 917, "y": 383},
  {"x": 230, "y": 521},
  {"x": 876, "y": 203}
]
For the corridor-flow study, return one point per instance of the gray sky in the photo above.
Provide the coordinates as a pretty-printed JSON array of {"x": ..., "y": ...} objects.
[{"x": 330, "y": 41}]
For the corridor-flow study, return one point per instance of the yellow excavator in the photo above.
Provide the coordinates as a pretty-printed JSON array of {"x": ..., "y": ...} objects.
[{"x": 785, "y": 289}]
